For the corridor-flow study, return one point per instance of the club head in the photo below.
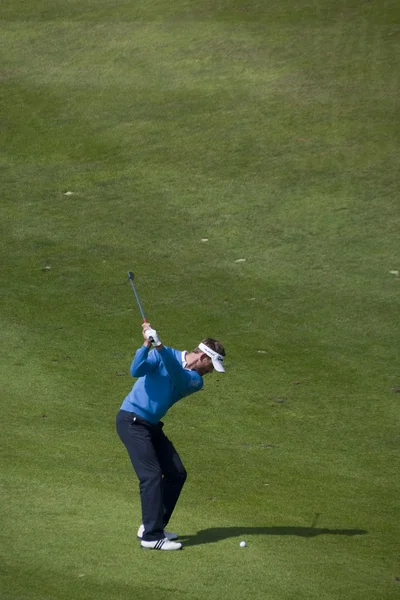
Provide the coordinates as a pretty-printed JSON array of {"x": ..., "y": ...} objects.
[{"x": 130, "y": 275}]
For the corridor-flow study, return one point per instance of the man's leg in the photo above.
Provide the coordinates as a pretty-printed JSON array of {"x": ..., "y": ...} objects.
[
  {"x": 138, "y": 441},
  {"x": 174, "y": 473}
]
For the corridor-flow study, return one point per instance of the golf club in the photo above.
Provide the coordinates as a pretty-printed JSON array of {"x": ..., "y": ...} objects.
[{"x": 130, "y": 275}]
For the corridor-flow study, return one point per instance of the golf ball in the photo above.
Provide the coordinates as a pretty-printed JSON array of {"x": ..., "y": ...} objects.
[{"x": 243, "y": 544}]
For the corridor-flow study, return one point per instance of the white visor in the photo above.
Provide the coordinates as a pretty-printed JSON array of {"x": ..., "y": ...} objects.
[{"x": 217, "y": 359}]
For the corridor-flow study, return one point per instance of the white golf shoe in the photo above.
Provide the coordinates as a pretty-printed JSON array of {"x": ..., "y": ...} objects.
[
  {"x": 168, "y": 534},
  {"x": 164, "y": 544}
]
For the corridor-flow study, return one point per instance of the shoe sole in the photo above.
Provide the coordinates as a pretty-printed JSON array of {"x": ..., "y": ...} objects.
[{"x": 162, "y": 549}]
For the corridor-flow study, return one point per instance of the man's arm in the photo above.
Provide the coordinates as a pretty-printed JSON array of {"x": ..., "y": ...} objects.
[
  {"x": 186, "y": 382},
  {"x": 143, "y": 362}
]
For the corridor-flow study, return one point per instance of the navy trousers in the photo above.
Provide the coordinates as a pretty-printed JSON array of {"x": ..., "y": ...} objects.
[{"x": 159, "y": 469}]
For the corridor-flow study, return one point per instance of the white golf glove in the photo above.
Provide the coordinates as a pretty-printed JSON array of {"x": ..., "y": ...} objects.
[{"x": 151, "y": 334}]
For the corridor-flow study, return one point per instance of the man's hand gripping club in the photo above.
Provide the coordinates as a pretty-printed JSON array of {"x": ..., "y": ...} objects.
[{"x": 150, "y": 336}]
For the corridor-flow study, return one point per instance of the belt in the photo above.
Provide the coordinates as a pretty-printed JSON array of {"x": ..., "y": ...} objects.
[{"x": 137, "y": 419}]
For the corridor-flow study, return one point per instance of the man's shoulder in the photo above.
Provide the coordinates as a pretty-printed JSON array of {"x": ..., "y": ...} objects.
[{"x": 196, "y": 380}]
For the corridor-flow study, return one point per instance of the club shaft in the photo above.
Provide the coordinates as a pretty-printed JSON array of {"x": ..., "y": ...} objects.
[
  {"x": 138, "y": 301},
  {"x": 137, "y": 298}
]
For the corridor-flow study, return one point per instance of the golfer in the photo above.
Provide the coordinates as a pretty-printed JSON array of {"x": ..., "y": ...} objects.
[{"x": 164, "y": 376}]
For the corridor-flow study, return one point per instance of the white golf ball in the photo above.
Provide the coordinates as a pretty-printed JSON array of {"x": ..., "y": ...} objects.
[{"x": 243, "y": 544}]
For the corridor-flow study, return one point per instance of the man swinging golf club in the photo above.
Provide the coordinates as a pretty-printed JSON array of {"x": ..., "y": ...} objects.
[{"x": 165, "y": 375}]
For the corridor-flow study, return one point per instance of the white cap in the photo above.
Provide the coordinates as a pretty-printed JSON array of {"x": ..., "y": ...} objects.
[{"x": 217, "y": 359}]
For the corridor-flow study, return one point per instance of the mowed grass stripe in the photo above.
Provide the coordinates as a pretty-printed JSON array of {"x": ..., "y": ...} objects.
[{"x": 271, "y": 130}]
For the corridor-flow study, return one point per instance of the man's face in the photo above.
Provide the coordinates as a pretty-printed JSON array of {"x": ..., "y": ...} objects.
[{"x": 204, "y": 365}]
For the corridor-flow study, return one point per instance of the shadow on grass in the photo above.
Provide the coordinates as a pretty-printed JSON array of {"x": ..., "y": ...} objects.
[{"x": 215, "y": 534}]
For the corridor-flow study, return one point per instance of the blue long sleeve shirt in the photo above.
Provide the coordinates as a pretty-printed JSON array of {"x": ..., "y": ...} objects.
[{"x": 162, "y": 381}]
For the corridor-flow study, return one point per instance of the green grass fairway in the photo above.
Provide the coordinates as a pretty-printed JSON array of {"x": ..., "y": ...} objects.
[{"x": 132, "y": 131}]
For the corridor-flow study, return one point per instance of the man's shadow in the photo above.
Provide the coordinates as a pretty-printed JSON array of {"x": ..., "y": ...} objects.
[{"x": 216, "y": 534}]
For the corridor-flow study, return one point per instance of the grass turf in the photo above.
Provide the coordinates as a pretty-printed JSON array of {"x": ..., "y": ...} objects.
[{"x": 272, "y": 131}]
